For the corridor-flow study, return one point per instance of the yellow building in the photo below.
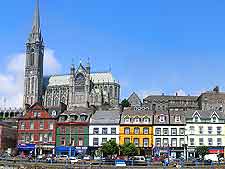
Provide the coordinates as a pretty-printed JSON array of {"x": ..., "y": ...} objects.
[{"x": 136, "y": 127}]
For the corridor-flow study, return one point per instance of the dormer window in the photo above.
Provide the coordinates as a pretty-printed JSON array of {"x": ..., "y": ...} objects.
[
  {"x": 146, "y": 120},
  {"x": 196, "y": 119},
  {"x": 83, "y": 117},
  {"x": 73, "y": 117},
  {"x": 127, "y": 120},
  {"x": 214, "y": 119},
  {"x": 136, "y": 120},
  {"x": 177, "y": 119},
  {"x": 162, "y": 118}
]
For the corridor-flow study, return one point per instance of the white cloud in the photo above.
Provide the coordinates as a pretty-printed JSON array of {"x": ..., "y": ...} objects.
[{"x": 12, "y": 79}]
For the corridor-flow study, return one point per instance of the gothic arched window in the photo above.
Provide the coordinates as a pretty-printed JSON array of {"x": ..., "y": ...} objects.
[
  {"x": 56, "y": 101},
  {"x": 28, "y": 85},
  {"x": 32, "y": 57},
  {"x": 80, "y": 83},
  {"x": 110, "y": 91},
  {"x": 116, "y": 94}
]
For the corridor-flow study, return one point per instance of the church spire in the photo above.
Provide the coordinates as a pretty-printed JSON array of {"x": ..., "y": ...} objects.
[
  {"x": 35, "y": 35},
  {"x": 36, "y": 20}
]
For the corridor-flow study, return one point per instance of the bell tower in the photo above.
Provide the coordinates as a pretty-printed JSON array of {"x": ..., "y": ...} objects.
[{"x": 33, "y": 79}]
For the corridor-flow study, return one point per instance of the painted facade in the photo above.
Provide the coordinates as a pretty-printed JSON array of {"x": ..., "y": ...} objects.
[{"x": 136, "y": 127}]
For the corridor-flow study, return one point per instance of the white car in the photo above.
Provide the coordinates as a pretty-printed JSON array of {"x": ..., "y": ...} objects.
[{"x": 73, "y": 160}]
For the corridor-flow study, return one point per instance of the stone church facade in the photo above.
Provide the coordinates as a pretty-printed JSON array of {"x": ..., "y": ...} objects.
[{"x": 79, "y": 88}]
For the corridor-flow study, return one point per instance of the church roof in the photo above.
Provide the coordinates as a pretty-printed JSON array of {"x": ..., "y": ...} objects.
[
  {"x": 97, "y": 77},
  {"x": 101, "y": 77},
  {"x": 59, "y": 80}
]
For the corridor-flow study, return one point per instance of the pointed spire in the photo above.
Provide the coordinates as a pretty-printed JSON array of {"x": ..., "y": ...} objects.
[
  {"x": 35, "y": 35},
  {"x": 36, "y": 21}
]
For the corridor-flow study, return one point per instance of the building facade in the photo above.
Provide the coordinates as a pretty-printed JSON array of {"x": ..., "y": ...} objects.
[
  {"x": 37, "y": 131},
  {"x": 205, "y": 128},
  {"x": 73, "y": 131},
  {"x": 169, "y": 133},
  {"x": 136, "y": 127},
  {"x": 104, "y": 126}
]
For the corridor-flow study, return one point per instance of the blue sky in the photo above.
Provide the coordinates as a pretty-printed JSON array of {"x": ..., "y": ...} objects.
[{"x": 152, "y": 46}]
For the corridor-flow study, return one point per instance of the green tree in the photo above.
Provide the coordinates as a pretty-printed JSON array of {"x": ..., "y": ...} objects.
[
  {"x": 129, "y": 149},
  {"x": 110, "y": 148},
  {"x": 125, "y": 103},
  {"x": 202, "y": 151}
]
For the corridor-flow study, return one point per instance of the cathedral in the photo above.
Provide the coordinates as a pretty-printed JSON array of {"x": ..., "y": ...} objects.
[{"x": 79, "y": 88}]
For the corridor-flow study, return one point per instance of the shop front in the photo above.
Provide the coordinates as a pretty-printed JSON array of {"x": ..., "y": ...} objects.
[
  {"x": 45, "y": 149},
  {"x": 177, "y": 152},
  {"x": 82, "y": 150},
  {"x": 66, "y": 150},
  {"x": 26, "y": 149}
]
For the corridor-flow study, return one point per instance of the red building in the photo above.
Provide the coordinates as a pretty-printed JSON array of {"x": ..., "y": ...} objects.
[{"x": 37, "y": 131}]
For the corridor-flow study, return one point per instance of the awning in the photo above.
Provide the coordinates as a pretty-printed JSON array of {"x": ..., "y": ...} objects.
[
  {"x": 26, "y": 147},
  {"x": 216, "y": 150},
  {"x": 64, "y": 149}
]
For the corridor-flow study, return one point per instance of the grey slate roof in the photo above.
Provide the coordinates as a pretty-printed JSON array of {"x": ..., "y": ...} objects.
[
  {"x": 204, "y": 114},
  {"x": 105, "y": 117},
  {"x": 168, "y": 97}
]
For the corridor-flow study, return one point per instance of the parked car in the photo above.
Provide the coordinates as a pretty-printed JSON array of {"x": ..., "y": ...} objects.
[
  {"x": 120, "y": 163},
  {"x": 74, "y": 160},
  {"x": 62, "y": 158}
]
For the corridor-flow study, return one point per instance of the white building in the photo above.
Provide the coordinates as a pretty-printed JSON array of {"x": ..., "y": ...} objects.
[
  {"x": 205, "y": 128},
  {"x": 104, "y": 126},
  {"x": 169, "y": 133}
]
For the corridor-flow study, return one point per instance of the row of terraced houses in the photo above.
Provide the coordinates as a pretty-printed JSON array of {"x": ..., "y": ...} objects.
[{"x": 79, "y": 111}]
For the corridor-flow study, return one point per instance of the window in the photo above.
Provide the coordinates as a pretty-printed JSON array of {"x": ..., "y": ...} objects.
[
  {"x": 165, "y": 131},
  {"x": 174, "y": 142},
  {"x": 192, "y": 141},
  {"x": 31, "y": 137},
  {"x": 182, "y": 131},
  {"x": 136, "y": 120},
  {"x": 145, "y": 142},
  {"x": 200, "y": 129},
  {"x": 181, "y": 142},
  {"x": 37, "y": 114},
  {"x": 126, "y": 140},
  {"x": 192, "y": 130},
  {"x": 50, "y": 137},
  {"x": 22, "y": 137},
  {"x": 196, "y": 119},
  {"x": 136, "y": 142},
  {"x": 173, "y": 131},
  {"x": 214, "y": 119},
  {"x": 96, "y": 131},
  {"x": 40, "y": 137},
  {"x": 113, "y": 139},
  {"x": 218, "y": 130},
  {"x": 80, "y": 142},
  {"x": 95, "y": 141},
  {"x": 22, "y": 125},
  {"x": 219, "y": 141},
  {"x": 62, "y": 140},
  {"x": 145, "y": 131},
  {"x": 165, "y": 142},
  {"x": 127, "y": 130},
  {"x": 127, "y": 120},
  {"x": 113, "y": 130},
  {"x": 158, "y": 141},
  {"x": 210, "y": 130},
  {"x": 31, "y": 125},
  {"x": 210, "y": 141},
  {"x": 146, "y": 120},
  {"x": 158, "y": 131},
  {"x": 161, "y": 118},
  {"x": 177, "y": 119},
  {"x": 50, "y": 125},
  {"x": 45, "y": 138},
  {"x": 104, "y": 131},
  {"x": 63, "y": 129},
  {"x": 104, "y": 140},
  {"x": 27, "y": 138},
  {"x": 136, "y": 130},
  {"x": 41, "y": 124},
  {"x": 201, "y": 141},
  {"x": 83, "y": 117}
]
